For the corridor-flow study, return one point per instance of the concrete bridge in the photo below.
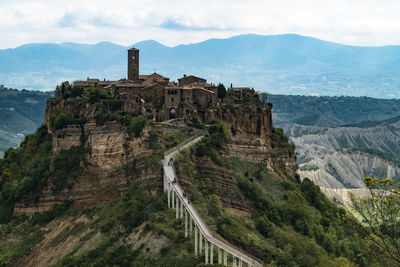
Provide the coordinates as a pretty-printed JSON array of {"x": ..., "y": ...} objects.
[{"x": 195, "y": 227}]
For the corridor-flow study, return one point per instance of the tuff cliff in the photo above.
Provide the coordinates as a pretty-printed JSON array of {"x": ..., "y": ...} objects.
[
  {"x": 112, "y": 158},
  {"x": 115, "y": 152},
  {"x": 252, "y": 138}
]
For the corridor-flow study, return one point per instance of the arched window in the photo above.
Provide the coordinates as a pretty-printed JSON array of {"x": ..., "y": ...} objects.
[{"x": 172, "y": 113}]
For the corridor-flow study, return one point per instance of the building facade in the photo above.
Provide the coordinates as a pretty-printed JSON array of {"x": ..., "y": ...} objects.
[{"x": 156, "y": 95}]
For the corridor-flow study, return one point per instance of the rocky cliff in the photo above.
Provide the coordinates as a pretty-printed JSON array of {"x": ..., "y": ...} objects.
[
  {"x": 112, "y": 158},
  {"x": 252, "y": 138},
  {"x": 115, "y": 155}
]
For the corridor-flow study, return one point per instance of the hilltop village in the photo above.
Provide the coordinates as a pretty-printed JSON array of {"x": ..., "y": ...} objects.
[
  {"x": 145, "y": 171},
  {"x": 165, "y": 99}
]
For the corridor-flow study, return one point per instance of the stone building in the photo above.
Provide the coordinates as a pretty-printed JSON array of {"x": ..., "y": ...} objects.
[{"x": 157, "y": 95}]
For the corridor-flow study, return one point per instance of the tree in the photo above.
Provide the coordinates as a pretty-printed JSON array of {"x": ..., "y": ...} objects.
[
  {"x": 62, "y": 89},
  {"x": 221, "y": 90},
  {"x": 264, "y": 97},
  {"x": 380, "y": 216}
]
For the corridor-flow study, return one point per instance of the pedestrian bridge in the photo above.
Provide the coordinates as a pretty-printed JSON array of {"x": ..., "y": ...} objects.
[{"x": 195, "y": 227}]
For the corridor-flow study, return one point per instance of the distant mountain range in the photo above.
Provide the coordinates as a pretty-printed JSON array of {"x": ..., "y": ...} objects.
[{"x": 280, "y": 64}]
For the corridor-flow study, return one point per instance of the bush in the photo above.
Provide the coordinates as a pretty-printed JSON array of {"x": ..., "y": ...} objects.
[
  {"x": 135, "y": 125},
  {"x": 264, "y": 226},
  {"x": 67, "y": 163},
  {"x": 61, "y": 120},
  {"x": 95, "y": 94},
  {"x": 103, "y": 117},
  {"x": 24, "y": 170}
]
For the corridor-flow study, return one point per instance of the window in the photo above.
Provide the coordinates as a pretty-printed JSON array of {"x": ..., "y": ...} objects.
[{"x": 172, "y": 99}]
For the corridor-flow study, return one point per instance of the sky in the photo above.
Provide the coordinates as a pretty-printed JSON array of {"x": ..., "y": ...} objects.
[{"x": 173, "y": 22}]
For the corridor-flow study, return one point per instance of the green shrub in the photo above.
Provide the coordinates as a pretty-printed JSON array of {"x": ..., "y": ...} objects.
[
  {"x": 67, "y": 163},
  {"x": 94, "y": 94},
  {"x": 309, "y": 168},
  {"x": 61, "y": 120},
  {"x": 134, "y": 125},
  {"x": 24, "y": 170},
  {"x": 103, "y": 117}
]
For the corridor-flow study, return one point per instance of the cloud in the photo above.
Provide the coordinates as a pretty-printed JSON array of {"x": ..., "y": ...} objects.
[
  {"x": 76, "y": 21},
  {"x": 172, "y": 22},
  {"x": 176, "y": 24}
]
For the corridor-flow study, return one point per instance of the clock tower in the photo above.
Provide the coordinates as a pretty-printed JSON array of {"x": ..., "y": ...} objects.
[{"x": 133, "y": 64}]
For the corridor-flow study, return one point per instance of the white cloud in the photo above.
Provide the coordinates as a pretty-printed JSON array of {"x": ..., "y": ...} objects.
[{"x": 172, "y": 22}]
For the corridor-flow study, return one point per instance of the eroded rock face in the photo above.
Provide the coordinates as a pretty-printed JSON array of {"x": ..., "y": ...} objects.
[
  {"x": 252, "y": 138},
  {"x": 113, "y": 159},
  {"x": 220, "y": 181}
]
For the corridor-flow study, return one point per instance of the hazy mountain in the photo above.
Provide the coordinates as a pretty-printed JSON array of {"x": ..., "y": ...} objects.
[{"x": 288, "y": 64}]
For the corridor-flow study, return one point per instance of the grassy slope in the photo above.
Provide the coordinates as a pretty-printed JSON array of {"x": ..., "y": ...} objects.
[{"x": 291, "y": 223}]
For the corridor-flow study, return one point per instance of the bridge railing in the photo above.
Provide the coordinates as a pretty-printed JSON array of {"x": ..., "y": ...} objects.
[{"x": 197, "y": 219}]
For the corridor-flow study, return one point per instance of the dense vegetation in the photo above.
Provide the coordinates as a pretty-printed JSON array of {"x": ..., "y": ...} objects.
[
  {"x": 136, "y": 213},
  {"x": 24, "y": 170},
  {"x": 379, "y": 213},
  {"x": 337, "y": 110},
  {"x": 292, "y": 223},
  {"x": 141, "y": 213},
  {"x": 21, "y": 113}
]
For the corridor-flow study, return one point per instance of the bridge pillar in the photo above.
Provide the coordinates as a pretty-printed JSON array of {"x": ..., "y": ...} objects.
[
  {"x": 240, "y": 263},
  {"x": 181, "y": 209},
  {"x": 206, "y": 250},
  {"x": 177, "y": 206},
  {"x": 200, "y": 242},
  {"x": 173, "y": 197},
  {"x": 191, "y": 225},
  {"x": 219, "y": 256},
  {"x": 234, "y": 261},
  {"x": 186, "y": 223},
  {"x": 169, "y": 196},
  {"x": 164, "y": 182},
  {"x": 225, "y": 258},
  {"x": 211, "y": 253},
  {"x": 195, "y": 241}
]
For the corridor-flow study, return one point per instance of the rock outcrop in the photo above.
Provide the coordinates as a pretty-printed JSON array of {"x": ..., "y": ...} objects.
[
  {"x": 113, "y": 159},
  {"x": 253, "y": 138}
]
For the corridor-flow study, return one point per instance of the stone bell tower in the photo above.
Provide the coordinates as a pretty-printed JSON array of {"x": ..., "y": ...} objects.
[{"x": 133, "y": 64}]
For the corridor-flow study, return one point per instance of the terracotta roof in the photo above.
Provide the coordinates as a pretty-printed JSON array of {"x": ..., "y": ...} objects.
[
  {"x": 203, "y": 89},
  {"x": 190, "y": 76}
]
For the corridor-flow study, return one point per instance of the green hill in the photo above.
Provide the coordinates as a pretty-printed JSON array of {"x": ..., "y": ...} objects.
[
  {"x": 290, "y": 223},
  {"x": 338, "y": 110},
  {"x": 21, "y": 113}
]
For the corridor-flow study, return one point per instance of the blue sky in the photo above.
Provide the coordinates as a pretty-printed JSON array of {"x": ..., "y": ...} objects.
[{"x": 171, "y": 22}]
